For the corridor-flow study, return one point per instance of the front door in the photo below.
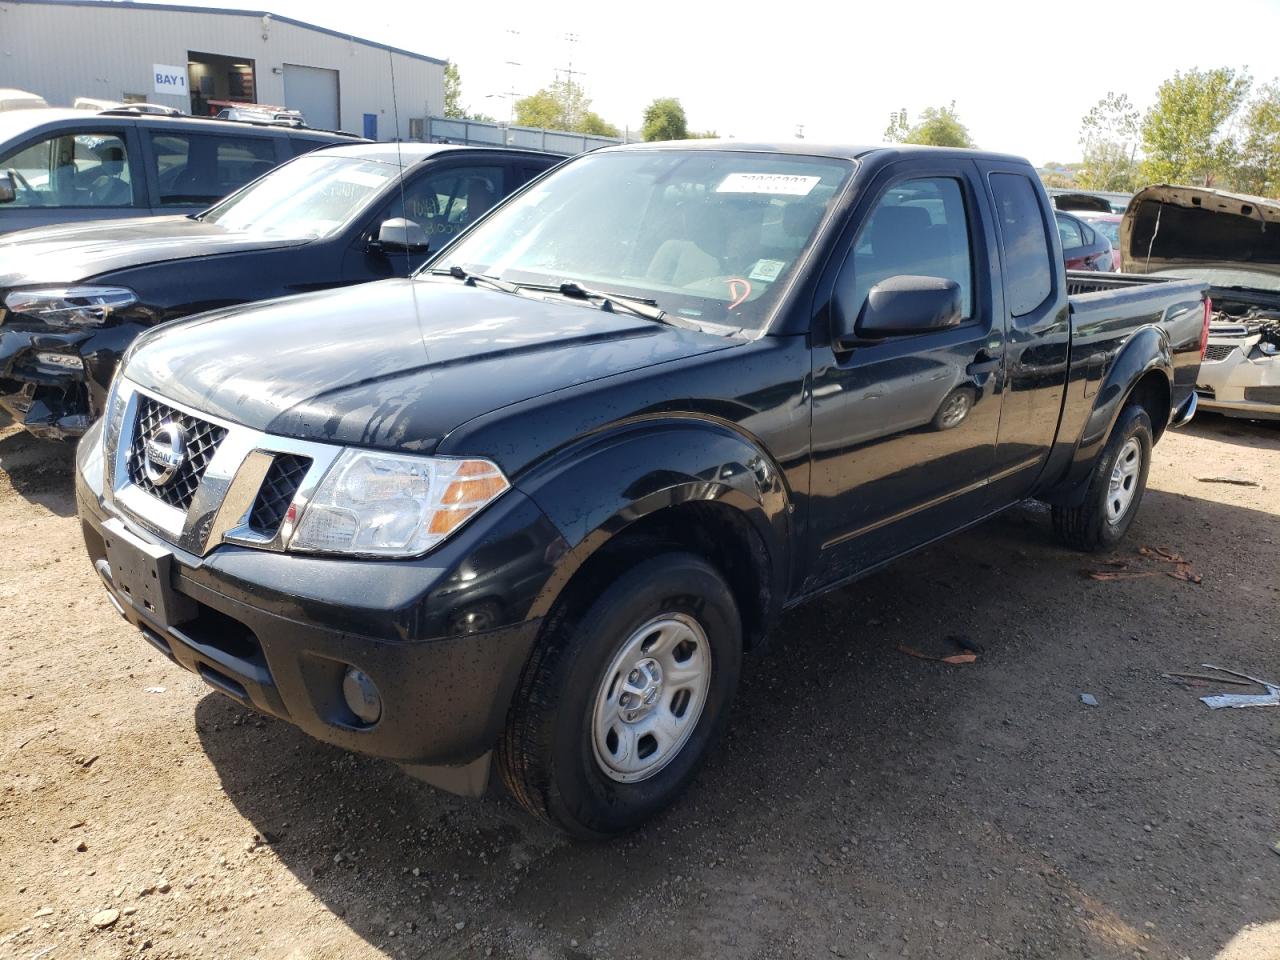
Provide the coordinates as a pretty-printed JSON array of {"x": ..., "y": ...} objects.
[{"x": 904, "y": 428}]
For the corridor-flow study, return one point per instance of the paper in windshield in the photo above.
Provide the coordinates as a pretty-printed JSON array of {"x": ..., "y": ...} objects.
[{"x": 773, "y": 184}]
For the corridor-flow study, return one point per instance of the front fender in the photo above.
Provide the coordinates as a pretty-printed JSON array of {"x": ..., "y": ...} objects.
[
  {"x": 1147, "y": 350},
  {"x": 597, "y": 488}
]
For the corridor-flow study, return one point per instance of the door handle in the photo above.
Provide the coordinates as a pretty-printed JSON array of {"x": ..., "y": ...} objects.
[{"x": 982, "y": 364}]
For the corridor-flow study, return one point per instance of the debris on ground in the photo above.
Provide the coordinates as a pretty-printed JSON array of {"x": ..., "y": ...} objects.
[
  {"x": 971, "y": 650},
  {"x": 1269, "y": 699},
  {"x": 1122, "y": 569},
  {"x": 105, "y": 918},
  {"x": 1234, "y": 481},
  {"x": 1202, "y": 680},
  {"x": 1088, "y": 699}
]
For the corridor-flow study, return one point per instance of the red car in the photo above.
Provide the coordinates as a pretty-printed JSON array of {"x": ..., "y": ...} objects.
[{"x": 1083, "y": 247}]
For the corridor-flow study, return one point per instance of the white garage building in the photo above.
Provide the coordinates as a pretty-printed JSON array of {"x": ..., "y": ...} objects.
[{"x": 201, "y": 58}]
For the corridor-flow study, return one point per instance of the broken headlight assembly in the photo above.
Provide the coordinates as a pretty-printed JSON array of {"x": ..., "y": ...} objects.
[
  {"x": 388, "y": 505},
  {"x": 68, "y": 307}
]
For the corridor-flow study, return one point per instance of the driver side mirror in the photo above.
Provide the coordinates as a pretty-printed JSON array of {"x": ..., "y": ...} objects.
[
  {"x": 900, "y": 306},
  {"x": 8, "y": 191},
  {"x": 401, "y": 235}
]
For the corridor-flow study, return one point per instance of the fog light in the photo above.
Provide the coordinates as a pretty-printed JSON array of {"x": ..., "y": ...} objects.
[{"x": 362, "y": 695}]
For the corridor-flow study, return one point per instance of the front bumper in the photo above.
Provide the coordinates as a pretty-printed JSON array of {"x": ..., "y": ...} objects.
[
  {"x": 42, "y": 382},
  {"x": 276, "y": 632},
  {"x": 54, "y": 382},
  {"x": 1239, "y": 385}
]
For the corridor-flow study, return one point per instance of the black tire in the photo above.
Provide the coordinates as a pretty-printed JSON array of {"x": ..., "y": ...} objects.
[
  {"x": 1091, "y": 526},
  {"x": 547, "y": 754}
]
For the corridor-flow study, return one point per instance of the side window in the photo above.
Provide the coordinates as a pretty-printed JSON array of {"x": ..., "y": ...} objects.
[
  {"x": 72, "y": 170},
  {"x": 1028, "y": 266},
  {"x": 445, "y": 202},
  {"x": 919, "y": 228},
  {"x": 1070, "y": 233},
  {"x": 194, "y": 169}
]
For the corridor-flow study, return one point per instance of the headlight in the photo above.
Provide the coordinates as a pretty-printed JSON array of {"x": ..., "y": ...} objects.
[
  {"x": 70, "y": 306},
  {"x": 384, "y": 505},
  {"x": 1267, "y": 348}
]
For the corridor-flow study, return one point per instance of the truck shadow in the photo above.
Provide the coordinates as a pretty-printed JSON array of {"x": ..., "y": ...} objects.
[
  {"x": 864, "y": 800},
  {"x": 41, "y": 471}
]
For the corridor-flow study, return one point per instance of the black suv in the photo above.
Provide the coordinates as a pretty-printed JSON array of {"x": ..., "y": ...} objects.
[
  {"x": 73, "y": 297},
  {"x": 58, "y": 165}
]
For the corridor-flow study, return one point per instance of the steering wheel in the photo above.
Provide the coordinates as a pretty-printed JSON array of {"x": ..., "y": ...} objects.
[{"x": 25, "y": 184}]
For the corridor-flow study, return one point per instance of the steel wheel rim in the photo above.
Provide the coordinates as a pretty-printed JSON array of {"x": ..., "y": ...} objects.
[
  {"x": 956, "y": 409},
  {"x": 1123, "y": 486},
  {"x": 651, "y": 697}
]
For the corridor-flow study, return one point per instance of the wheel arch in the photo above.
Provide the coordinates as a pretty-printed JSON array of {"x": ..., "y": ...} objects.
[
  {"x": 717, "y": 494},
  {"x": 1143, "y": 370}
]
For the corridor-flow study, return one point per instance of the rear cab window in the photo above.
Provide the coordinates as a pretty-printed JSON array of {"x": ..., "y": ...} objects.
[{"x": 1028, "y": 259}]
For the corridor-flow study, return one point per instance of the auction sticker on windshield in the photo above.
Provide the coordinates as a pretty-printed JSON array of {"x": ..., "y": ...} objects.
[{"x": 775, "y": 184}]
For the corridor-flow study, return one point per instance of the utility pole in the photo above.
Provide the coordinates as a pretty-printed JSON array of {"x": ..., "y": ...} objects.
[
  {"x": 571, "y": 117},
  {"x": 514, "y": 41}
]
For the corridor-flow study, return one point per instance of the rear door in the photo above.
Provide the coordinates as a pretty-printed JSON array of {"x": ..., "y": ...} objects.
[
  {"x": 188, "y": 172},
  {"x": 1038, "y": 328},
  {"x": 904, "y": 429}
]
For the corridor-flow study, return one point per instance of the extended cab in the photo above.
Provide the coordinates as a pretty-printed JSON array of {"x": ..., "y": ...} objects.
[{"x": 536, "y": 503}]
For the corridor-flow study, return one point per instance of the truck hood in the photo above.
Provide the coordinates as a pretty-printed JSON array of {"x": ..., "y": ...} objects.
[
  {"x": 395, "y": 364},
  {"x": 1228, "y": 239},
  {"x": 78, "y": 251}
]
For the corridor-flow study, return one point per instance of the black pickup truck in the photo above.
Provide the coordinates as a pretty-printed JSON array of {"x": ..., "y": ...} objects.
[{"x": 532, "y": 505}]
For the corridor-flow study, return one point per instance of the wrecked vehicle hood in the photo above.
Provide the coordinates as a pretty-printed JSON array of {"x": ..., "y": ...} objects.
[
  {"x": 78, "y": 251},
  {"x": 395, "y": 364},
  {"x": 1231, "y": 240}
]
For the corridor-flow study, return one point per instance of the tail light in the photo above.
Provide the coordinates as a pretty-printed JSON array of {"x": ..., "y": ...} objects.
[{"x": 1204, "y": 330}]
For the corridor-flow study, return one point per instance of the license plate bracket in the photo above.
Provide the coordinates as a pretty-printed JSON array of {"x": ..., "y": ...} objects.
[{"x": 142, "y": 573}]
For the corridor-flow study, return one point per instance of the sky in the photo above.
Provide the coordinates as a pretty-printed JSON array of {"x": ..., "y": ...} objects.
[{"x": 1022, "y": 74}]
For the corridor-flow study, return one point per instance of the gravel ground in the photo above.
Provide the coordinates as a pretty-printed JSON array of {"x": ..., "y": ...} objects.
[{"x": 863, "y": 804}]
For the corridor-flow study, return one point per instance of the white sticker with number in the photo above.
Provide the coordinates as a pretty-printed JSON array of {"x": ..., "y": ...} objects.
[{"x": 773, "y": 184}]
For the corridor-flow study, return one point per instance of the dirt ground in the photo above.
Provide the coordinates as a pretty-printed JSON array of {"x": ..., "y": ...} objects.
[{"x": 864, "y": 803}]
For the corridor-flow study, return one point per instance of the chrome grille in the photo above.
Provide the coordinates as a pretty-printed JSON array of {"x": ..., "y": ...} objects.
[
  {"x": 278, "y": 490},
  {"x": 1217, "y": 352},
  {"x": 202, "y": 439}
]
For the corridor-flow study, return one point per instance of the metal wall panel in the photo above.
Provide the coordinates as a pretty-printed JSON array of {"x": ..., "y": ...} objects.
[{"x": 62, "y": 51}]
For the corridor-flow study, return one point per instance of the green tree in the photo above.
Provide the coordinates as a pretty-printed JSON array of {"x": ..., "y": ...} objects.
[
  {"x": 938, "y": 127},
  {"x": 664, "y": 119},
  {"x": 898, "y": 128},
  {"x": 1259, "y": 169},
  {"x": 562, "y": 106},
  {"x": 453, "y": 107},
  {"x": 1186, "y": 135},
  {"x": 1109, "y": 137},
  {"x": 595, "y": 125},
  {"x": 453, "y": 92}
]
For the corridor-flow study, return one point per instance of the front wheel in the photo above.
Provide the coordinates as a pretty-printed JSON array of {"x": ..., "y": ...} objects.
[
  {"x": 616, "y": 711},
  {"x": 1115, "y": 489}
]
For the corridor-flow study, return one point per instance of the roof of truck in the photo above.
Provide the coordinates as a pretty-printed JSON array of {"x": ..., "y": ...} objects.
[{"x": 802, "y": 148}]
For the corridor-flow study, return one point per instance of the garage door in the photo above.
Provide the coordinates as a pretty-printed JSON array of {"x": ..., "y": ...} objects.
[{"x": 314, "y": 91}]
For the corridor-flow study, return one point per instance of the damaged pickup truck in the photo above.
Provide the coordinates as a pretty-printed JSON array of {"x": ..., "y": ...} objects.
[
  {"x": 1232, "y": 242},
  {"x": 529, "y": 508}
]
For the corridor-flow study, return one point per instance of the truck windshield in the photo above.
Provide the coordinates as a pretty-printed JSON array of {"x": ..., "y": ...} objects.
[
  {"x": 708, "y": 235},
  {"x": 311, "y": 196}
]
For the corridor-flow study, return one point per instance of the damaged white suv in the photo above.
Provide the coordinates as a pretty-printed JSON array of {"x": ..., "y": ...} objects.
[{"x": 1233, "y": 242}]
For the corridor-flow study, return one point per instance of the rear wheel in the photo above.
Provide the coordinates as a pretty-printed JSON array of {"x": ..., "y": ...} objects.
[
  {"x": 1115, "y": 489},
  {"x": 616, "y": 710}
]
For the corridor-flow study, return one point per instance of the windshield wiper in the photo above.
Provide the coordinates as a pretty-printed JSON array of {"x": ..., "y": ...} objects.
[
  {"x": 609, "y": 302},
  {"x": 471, "y": 279}
]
